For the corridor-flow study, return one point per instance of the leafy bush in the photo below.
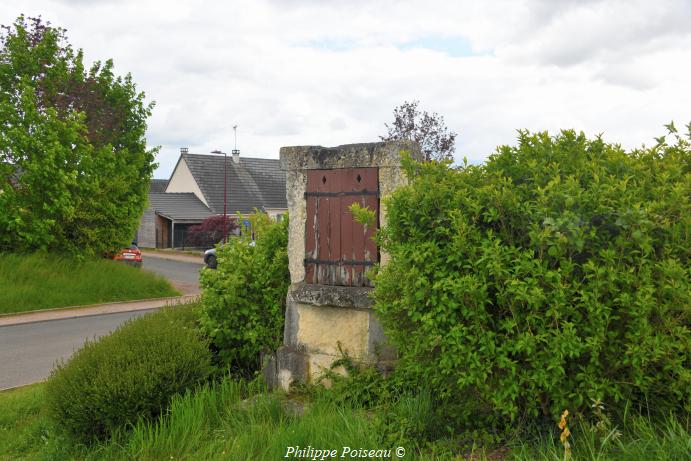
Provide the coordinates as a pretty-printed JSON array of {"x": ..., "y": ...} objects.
[
  {"x": 553, "y": 275},
  {"x": 403, "y": 413},
  {"x": 244, "y": 298},
  {"x": 128, "y": 375}
]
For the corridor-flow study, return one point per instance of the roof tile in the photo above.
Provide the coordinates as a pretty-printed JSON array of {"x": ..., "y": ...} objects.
[
  {"x": 252, "y": 182},
  {"x": 158, "y": 186},
  {"x": 179, "y": 206}
]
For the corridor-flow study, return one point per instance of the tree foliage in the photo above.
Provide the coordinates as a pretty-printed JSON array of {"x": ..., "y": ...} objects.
[
  {"x": 211, "y": 231},
  {"x": 428, "y": 130},
  {"x": 74, "y": 167},
  {"x": 556, "y": 274}
]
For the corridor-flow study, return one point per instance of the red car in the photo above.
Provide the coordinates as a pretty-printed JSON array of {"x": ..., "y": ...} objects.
[{"x": 130, "y": 255}]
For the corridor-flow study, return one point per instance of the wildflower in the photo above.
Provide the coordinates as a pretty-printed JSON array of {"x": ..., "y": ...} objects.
[
  {"x": 565, "y": 433},
  {"x": 562, "y": 422}
]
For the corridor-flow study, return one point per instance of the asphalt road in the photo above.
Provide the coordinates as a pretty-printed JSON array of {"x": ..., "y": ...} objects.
[
  {"x": 29, "y": 351},
  {"x": 181, "y": 273}
]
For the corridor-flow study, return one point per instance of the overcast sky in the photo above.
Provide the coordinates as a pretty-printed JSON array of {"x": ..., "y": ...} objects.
[{"x": 330, "y": 72}]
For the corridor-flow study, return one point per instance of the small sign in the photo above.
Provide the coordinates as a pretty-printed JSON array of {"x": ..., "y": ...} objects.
[{"x": 246, "y": 223}]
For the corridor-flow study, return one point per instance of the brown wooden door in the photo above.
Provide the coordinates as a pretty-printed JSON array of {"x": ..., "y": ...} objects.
[{"x": 339, "y": 250}]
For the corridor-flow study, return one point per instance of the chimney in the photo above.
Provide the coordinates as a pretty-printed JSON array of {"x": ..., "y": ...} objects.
[
  {"x": 236, "y": 155},
  {"x": 184, "y": 150}
]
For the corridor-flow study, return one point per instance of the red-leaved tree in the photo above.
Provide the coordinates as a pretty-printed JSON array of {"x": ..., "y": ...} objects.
[{"x": 210, "y": 231}]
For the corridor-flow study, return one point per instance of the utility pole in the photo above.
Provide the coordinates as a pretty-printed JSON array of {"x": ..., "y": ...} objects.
[{"x": 225, "y": 193}]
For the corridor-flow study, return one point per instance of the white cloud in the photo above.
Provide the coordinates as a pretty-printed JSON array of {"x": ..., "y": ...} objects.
[{"x": 330, "y": 72}]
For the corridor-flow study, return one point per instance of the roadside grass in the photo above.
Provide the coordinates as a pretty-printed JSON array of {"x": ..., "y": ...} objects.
[
  {"x": 229, "y": 420},
  {"x": 235, "y": 420},
  {"x": 44, "y": 281},
  {"x": 26, "y": 431},
  {"x": 23, "y": 422}
]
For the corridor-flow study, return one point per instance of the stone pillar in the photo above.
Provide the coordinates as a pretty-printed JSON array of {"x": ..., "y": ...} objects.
[{"x": 321, "y": 317}]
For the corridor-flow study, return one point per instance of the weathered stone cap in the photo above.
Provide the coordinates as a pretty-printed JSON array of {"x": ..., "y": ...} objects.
[
  {"x": 331, "y": 296},
  {"x": 363, "y": 155}
]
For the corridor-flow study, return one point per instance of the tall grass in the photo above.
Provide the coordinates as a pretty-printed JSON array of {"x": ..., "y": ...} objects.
[
  {"x": 637, "y": 438},
  {"x": 26, "y": 431},
  {"x": 238, "y": 421},
  {"x": 235, "y": 421},
  {"x": 22, "y": 421},
  {"x": 43, "y": 281}
]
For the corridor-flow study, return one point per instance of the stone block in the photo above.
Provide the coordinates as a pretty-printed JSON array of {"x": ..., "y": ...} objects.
[
  {"x": 321, "y": 330},
  {"x": 285, "y": 367}
]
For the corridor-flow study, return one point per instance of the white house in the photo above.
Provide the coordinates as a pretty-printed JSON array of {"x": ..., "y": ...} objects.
[{"x": 195, "y": 191}]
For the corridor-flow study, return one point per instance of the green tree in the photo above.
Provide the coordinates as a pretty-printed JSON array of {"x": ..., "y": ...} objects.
[
  {"x": 74, "y": 166},
  {"x": 428, "y": 130}
]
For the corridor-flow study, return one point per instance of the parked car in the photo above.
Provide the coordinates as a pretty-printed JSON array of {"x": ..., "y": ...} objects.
[
  {"x": 130, "y": 255},
  {"x": 210, "y": 258}
]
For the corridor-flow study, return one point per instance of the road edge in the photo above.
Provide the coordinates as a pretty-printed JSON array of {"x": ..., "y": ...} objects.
[
  {"x": 185, "y": 258},
  {"x": 92, "y": 310}
]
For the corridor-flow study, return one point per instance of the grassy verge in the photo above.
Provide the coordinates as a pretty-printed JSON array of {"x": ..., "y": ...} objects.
[
  {"x": 39, "y": 281},
  {"x": 226, "y": 421},
  {"x": 234, "y": 420},
  {"x": 24, "y": 424}
]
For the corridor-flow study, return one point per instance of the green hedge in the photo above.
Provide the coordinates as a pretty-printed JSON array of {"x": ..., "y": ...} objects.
[
  {"x": 244, "y": 298},
  {"x": 555, "y": 274},
  {"x": 129, "y": 375}
]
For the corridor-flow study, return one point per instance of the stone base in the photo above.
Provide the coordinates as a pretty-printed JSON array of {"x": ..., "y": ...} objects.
[
  {"x": 322, "y": 324},
  {"x": 288, "y": 366},
  {"x": 285, "y": 367}
]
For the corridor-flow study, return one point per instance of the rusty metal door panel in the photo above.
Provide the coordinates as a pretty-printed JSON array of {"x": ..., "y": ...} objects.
[{"x": 339, "y": 250}]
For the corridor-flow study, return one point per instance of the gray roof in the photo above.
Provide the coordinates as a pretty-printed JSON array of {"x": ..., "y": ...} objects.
[
  {"x": 179, "y": 206},
  {"x": 158, "y": 186},
  {"x": 252, "y": 182}
]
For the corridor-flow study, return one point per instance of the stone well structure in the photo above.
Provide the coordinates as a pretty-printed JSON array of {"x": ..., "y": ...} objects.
[{"x": 328, "y": 302}]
